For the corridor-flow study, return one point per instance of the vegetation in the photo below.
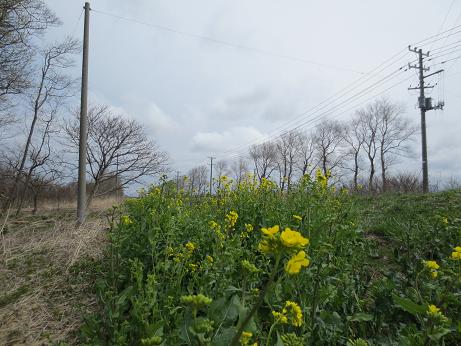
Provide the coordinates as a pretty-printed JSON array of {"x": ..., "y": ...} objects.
[{"x": 254, "y": 265}]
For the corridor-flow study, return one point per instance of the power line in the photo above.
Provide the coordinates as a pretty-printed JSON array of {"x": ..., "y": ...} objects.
[
  {"x": 229, "y": 44},
  {"x": 312, "y": 121},
  {"x": 437, "y": 36},
  {"x": 334, "y": 98}
]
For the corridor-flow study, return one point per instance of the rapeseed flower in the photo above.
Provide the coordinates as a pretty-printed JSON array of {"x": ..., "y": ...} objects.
[
  {"x": 231, "y": 219},
  {"x": 456, "y": 255},
  {"x": 125, "y": 219},
  {"x": 291, "y": 313},
  {"x": 271, "y": 230},
  {"x": 245, "y": 338},
  {"x": 280, "y": 317},
  {"x": 265, "y": 247},
  {"x": 290, "y": 238},
  {"x": 296, "y": 262},
  {"x": 294, "y": 312},
  {"x": 297, "y": 218},
  {"x": 209, "y": 259},
  {"x": 190, "y": 246},
  {"x": 431, "y": 265}
]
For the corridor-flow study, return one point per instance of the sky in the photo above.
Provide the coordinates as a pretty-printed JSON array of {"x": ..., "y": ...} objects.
[{"x": 212, "y": 97}]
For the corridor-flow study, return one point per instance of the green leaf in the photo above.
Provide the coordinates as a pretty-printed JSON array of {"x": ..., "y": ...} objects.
[
  {"x": 360, "y": 317},
  {"x": 409, "y": 306}
]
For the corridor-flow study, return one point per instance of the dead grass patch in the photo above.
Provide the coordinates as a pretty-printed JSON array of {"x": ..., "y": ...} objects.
[{"x": 47, "y": 272}]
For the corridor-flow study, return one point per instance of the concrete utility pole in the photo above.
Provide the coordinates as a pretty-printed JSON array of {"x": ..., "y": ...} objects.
[
  {"x": 81, "y": 194},
  {"x": 424, "y": 104},
  {"x": 211, "y": 173}
]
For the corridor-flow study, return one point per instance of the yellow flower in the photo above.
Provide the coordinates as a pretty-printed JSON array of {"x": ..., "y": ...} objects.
[
  {"x": 291, "y": 238},
  {"x": 125, "y": 219},
  {"x": 190, "y": 246},
  {"x": 231, "y": 219},
  {"x": 294, "y": 312},
  {"x": 455, "y": 255},
  {"x": 280, "y": 317},
  {"x": 249, "y": 227},
  {"x": 458, "y": 249},
  {"x": 193, "y": 267},
  {"x": 434, "y": 274},
  {"x": 271, "y": 230},
  {"x": 433, "y": 310},
  {"x": 431, "y": 265},
  {"x": 209, "y": 259},
  {"x": 297, "y": 218},
  {"x": 264, "y": 247},
  {"x": 296, "y": 262},
  {"x": 245, "y": 338}
]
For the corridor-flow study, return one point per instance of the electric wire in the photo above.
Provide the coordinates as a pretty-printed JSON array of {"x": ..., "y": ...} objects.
[{"x": 229, "y": 44}]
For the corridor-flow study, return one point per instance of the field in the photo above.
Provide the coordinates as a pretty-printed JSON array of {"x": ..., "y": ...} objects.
[{"x": 253, "y": 265}]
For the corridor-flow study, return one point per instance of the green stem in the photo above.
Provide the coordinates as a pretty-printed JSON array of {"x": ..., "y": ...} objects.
[
  {"x": 258, "y": 303},
  {"x": 270, "y": 333}
]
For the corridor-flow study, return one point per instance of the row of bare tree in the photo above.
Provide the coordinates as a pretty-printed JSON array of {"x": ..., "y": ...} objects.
[
  {"x": 353, "y": 151},
  {"x": 39, "y": 135}
]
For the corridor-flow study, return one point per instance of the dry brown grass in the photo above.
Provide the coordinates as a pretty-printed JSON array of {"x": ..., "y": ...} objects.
[
  {"x": 47, "y": 272},
  {"x": 101, "y": 203}
]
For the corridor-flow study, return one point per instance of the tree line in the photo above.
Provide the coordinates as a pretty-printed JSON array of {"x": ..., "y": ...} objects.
[{"x": 358, "y": 153}]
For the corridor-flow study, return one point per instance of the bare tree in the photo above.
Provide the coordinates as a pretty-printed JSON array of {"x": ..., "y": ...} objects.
[
  {"x": 116, "y": 146},
  {"x": 264, "y": 157},
  {"x": 39, "y": 156},
  {"x": 394, "y": 133},
  {"x": 51, "y": 86},
  {"x": 354, "y": 139},
  {"x": 220, "y": 169},
  {"x": 21, "y": 21},
  {"x": 307, "y": 161},
  {"x": 198, "y": 180},
  {"x": 287, "y": 147},
  {"x": 369, "y": 119},
  {"x": 328, "y": 139},
  {"x": 239, "y": 168}
]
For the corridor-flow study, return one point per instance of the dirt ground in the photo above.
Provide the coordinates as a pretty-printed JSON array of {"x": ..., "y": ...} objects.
[{"x": 47, "y": 271}]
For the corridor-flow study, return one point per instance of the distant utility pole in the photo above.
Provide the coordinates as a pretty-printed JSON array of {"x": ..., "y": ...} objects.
[
  {"x": 424, "y": 104},
  {"x": 211, "y": 173},
  {"x": 81, "y": 194}
]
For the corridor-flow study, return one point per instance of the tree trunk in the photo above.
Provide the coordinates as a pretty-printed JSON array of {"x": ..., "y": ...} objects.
[
  {"x": 35, "y": 203},
  {"x": 383, "y": 173},
  {"x": 356, "y": 170}
]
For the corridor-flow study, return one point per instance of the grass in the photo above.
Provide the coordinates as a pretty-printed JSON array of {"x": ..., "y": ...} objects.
[{"x": 47, "y": 271}]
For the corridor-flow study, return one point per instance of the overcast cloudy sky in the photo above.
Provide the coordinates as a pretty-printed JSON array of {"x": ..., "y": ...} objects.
[{"x": 199, "y": 98}]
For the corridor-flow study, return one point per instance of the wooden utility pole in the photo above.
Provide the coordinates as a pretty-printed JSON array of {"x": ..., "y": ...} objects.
[
  {"x": 211, "y": 173},
  {"x": 424, "y": 104},
  {"x": 81, "y": 194}
]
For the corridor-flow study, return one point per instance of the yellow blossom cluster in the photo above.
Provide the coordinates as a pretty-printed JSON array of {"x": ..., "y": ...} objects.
[
  {"x": 434, "y": 312},
  {"x": 298, "y": 218},
  {"x": 248, "y": 229},
  {"x": 231, "y": 219},
  {"x": 291, "y": 313},
  {"x": 321, "y": 178},
  {"x": 125, "y": 220},
  {"x": 456, "y": 254},
  {"x": 432, "y": 266},
  {"x": 216, "y": 228},
  {"x": 290, "y": 241}
]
